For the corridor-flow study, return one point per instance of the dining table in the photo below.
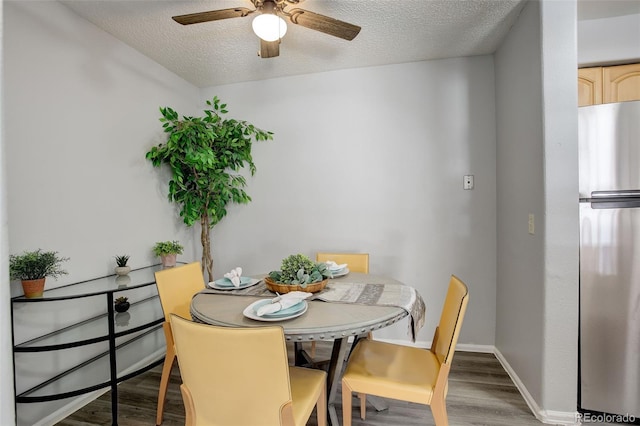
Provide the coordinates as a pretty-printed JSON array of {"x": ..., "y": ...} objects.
[{"x": 349, "y": 307}]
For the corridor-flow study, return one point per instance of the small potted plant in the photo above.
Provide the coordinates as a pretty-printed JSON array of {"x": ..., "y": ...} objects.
[
  {"x": 168, "y": 251},
  {"x": 121, "y": 261},
  {"x": 298, "y": 272},
  {"x": 121, "y": 304},
  {"x": 33, "y": 267}
]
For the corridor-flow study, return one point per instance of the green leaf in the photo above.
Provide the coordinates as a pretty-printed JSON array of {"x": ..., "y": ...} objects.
[{"x": 201, "y": 153}]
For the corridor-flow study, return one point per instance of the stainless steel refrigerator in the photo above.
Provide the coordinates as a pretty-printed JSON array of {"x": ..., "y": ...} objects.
[{"x": 609, "y": 168}]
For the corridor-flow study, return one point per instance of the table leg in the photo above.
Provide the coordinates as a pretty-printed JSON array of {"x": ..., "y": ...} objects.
[
  {"x": 378, "y": 403},
  {"x": 334, "y": 376},
  {"x": 301, "y": 358}
]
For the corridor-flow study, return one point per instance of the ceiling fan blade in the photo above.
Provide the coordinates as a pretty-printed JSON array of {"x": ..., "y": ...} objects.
[
  {"x": 212, "y": 15},
  {"x": 269, "y": 49},
  {"x": 323, "y": 24}
]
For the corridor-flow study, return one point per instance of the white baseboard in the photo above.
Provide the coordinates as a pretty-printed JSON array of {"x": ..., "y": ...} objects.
[
  {"x": 469, "y": 347},
  {"x": 545, "y": 416},
  {"x": 463, "y": 347}
]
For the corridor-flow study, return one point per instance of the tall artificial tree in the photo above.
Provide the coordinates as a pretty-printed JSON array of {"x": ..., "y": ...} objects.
[{"x": 205, "y": 155}]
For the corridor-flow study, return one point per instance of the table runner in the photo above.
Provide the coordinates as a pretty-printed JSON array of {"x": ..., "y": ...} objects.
[{"x": 398, "y": 295}]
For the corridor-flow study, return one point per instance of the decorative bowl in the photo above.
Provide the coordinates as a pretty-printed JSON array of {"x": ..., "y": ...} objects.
[{"x": 286, "y": 288}]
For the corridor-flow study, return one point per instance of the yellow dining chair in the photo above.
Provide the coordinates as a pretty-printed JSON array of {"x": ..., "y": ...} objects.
[
  {"x": 241, "y": 376},
  {"x": 356, "y": 262},
  {"x": 408, "y": 373},
  {"x": 176, "y": 287}
]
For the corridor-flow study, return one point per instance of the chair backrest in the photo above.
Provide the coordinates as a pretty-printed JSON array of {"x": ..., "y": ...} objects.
[
  {"x": 235, "y": 376},
  {"x": 176, "y": 287},
  {"x": 358, "y": 262},
  {"x": 455, "y": 306}
]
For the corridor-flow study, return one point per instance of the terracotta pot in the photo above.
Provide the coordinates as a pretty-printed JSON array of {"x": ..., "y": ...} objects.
[
  {"x": 168, "y": 260},
  {"x": 33, "y": 288}
]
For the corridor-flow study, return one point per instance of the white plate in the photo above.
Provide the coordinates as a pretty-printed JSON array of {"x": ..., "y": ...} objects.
[
  {"x": 250, "y": 311},
  {"x": 226, "y": 284},
  {"x": 342, "y": 273},
  {"x": 335, "y": 267}
]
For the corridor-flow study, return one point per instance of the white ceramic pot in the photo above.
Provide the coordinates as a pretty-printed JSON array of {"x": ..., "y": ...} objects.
[{"x": 123, "y": 270}]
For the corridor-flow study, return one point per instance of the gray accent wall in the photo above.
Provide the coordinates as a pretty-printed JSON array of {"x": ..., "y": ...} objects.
[
  {"x": 520, "y": 181},
  {"x": 7, "y": 408},
  {"x": 372, "y": 160},
  {"x": 537, "y": 287}
]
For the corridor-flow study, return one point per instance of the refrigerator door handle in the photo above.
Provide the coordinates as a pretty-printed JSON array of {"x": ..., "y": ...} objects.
[
  {"x": 623, "y": 193},
  {"x": 614, "y": 203},
  {"x": 613, "y": 199}
]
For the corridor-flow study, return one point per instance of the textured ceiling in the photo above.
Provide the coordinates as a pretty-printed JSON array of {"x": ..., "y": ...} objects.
[
  {"x": 225, "y": 51},
  {"x": 221, "y": 52}
]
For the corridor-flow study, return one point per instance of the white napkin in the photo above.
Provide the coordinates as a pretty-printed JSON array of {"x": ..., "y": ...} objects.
[
  {"x": 283, "y": 302},
  {"x": 334, "y": 267},
  {"x": 234, "y": 276}
]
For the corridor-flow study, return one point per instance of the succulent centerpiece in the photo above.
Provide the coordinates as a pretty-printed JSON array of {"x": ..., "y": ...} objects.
[{"x": 298, "y": 272}]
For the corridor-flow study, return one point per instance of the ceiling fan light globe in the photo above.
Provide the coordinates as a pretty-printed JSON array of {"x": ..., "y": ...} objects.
[{"x": 269, "y": 27}]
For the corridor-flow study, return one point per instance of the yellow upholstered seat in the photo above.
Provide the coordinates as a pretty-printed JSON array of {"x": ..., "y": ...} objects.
[
  {"x": 176, "y": 287},
  {"x": 408, "y": 373},
  {"x": 357, "y": 262},
  {"x": 241, "y": 377}
]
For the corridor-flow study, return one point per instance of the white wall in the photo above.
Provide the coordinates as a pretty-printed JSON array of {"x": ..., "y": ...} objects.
[
  {"x": 520, "y": 180},
  {"x": 614, "y": 40},
  {"x": 560, "y": 97},
  {"x": 372, "y": 160},
  {"x": 7, "y": 408},
  {"x": 80, "y": 111},
  {"x": 537, "y": 291}
]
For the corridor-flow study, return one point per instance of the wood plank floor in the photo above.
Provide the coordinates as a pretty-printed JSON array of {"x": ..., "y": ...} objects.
[{"x": 480, "y": 393}]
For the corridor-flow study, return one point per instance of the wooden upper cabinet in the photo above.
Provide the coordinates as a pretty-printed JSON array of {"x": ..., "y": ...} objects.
[
  {"x": 603, "y": 85},
  {"x": 589, "y": 86},
  {"x": 621, "y": 83}
]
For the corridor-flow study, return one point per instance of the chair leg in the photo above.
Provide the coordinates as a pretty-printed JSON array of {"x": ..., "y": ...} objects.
[
  {"x": 312, "y": 352},
  {"x": 438, "y": 400},
  {"x": 169, "y": 360},
  {"x": 439, "y": 412},
  {"x": 189, "y": 408},
  {"x": 321, "y": 407},
  {"x": 346, "y": 404},
  {"x": 363, "y": 405}
]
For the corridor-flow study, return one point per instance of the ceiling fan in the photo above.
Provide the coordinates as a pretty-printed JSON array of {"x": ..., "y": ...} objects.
[{"x": 269, "y": 24}]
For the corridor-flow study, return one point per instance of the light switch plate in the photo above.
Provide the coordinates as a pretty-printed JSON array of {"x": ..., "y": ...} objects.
[{"x": 467, "y": 182}]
